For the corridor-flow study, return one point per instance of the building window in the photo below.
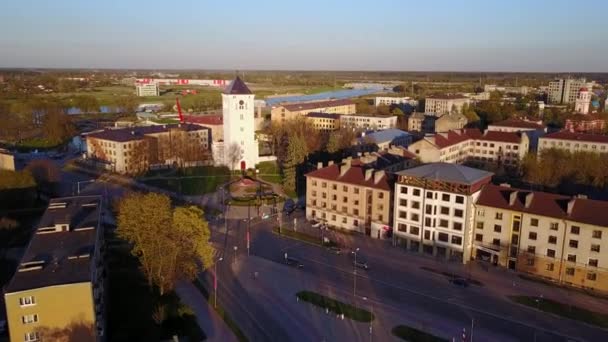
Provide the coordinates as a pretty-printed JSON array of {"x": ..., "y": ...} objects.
[
  {"x": 531, "y": 249},
  {"x": 429, "y": 195},
  {"x": 497, "y": 228},
  {"x": 402, "y": 214},
  {"x": 570, "y": 271},
  {"x": 499, "y": 216},
  {"x": 428, "y": 209},
  {"x": 344, "y": 220},
  {"x": 380, "y": 195},
  {"x": 532, "y": 236},
  {"x": 534, "y": 222},
  {"x": 551, "y": 253},
  {"x": 595, "y": 248},
  {"x": 414, "y": 230},
  {"x": 356, "y": 191},
  {"x": 460, "y": 199},
  {"x": 334, "y": 187},
  {"x": 591, "y": 276},
  {"x": 530, "y": 261},
  {"x": 572, "y": 257},
  {"x": 479, "y": 237},
  {"x": 552, "y": 239},
  {"x": 480, "y": 213},
  {"x": 31, "y": 336},
  {"x": 333, "y": 217},
  {"x": 27, "y": 319},
  {"x": 479, "y": 225},
  {"x": 443, "y": 237},
  {"x": 597, "y": 234},
  {"x": 27, "y": 301},
  {"x": 427, "y": 234},
  {"x": 403, "y": 189},
  {"x": 573, "y": 243},
  {"x": 415, "y": 204},
  {"x": 443, "y": 223},
  {"x": 445, "y": 197},
  {"x": 457, "y": 226},
  {"x": 416, "y": 192},
  {"x": 457, "y": 240},
  {"x": 575, "y": 230},
  {"x": 345, "y": 188},
  {"x": 496, "y": 242},
  {"x": 402, "y": 227},
  {"x": 415, "y": 217},
  {"x": 403, "y": 202},
  {"x": 458, "y": 213},
  {"x": 593, "y": 262},
  {"x": 550, "y": 267}
]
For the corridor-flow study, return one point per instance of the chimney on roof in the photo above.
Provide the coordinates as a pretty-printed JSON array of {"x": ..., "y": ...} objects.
[
  {"x": 319, "y": 165},
  {"x": 368, "y": 174},
  {"x": 513, "y": 197},
  {"x": 344, "y": 166},
  {"x": 529, "y": 198},
  {"x": 330, "y": 163},
  {"x": 378, "y": 175},
  {"x": 571, "y": 205}
]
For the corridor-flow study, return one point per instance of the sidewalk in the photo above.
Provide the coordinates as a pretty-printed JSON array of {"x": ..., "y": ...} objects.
[{"x": 213, "y": 326}]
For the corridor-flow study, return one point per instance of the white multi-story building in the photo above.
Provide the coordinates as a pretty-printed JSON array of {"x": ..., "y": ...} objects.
[
  {"x": 445, "y": 104},
  {"x": 434, "y": 208},
  {"x": 368, "y": 121},
  {"x": 564, "y": 91},
  {"x": 150, "y": 89},
  {"x": 573, "y": 142},
  {"x": 239, "y": 126},
  {"x": 583, "y": 101},
  {"x": 388, "y": 100},
  {"x": 516, "y": 125}
]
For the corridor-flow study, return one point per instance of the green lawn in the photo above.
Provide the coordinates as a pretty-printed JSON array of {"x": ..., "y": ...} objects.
[
  {"x": 414, "y": 335},
  {"x": 131, "y": 303},
  {"x": 564, "y": 310},
  {"x": 205, "y": 179},
  {"x": 336, "y": 306},
  {"x": 269, "y": 172}
]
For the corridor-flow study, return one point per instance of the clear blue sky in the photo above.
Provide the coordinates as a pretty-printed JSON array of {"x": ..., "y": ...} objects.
[{"x": 465, "y": 35}]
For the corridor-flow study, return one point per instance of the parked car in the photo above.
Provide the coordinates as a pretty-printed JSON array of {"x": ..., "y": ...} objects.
[
  {"x": 294, "y": 262},
  {"x": 361, "y": 264}
]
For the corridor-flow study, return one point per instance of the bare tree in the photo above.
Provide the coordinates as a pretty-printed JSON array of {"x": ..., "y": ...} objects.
[{"x": 233, "y": 154}]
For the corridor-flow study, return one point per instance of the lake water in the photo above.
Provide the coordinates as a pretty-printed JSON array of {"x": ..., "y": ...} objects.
[{"x": 337, "y": 95}]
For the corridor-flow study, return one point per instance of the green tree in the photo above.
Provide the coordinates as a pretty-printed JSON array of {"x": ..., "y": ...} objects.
[
  {"x": 170, "y": 244},
  {"x": 128, "y": 104},
  {"x": 296, "y": 154},
  {"x": 87, "y": 103},
  {"x": 397, "y": 111},
  {"x": 16, "y": 180},
  {"x": 56, "y": 125},
  {"x": 383, "y": 110},
  {"x": 469, "y": 113},
  {"x": 333, "y": 143}
]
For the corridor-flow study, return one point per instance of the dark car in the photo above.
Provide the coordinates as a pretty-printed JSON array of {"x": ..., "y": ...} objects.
[
  {"x": 301, "y": 204},
  {"x": 294, "y": 262},
  {"x": 361, "y": 264},
  {"x": 289, "y": 206},
  {"x": 459, "y": 282},
  {"x": 334, "y": 250}
]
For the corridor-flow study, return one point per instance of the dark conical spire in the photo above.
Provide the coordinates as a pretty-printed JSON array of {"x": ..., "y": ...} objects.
[{"x": 237, "y": 87}]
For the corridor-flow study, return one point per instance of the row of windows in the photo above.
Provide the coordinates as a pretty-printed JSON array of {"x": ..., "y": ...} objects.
[
  {"x": 428, "y": 235},
  {"x": 567, "y": 144}
]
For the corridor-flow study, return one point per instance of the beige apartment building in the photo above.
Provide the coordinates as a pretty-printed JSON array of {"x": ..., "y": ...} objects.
[
  {"x": 295, "y": 110},
  {"x": 60, "y": 282},
  {"x": 561, "y": 238},
  {"x": 363, "y": 121},
  {"x": 459, "y": 146},
  {"x": 136, "y": 149},
  {"x": 324, "y": 121},
  {"x": 564, "y": 91},
  {"x": 445, "y": 104},
  {"x": 574, "y": 142},
  {"x": 350, "y": 196}
]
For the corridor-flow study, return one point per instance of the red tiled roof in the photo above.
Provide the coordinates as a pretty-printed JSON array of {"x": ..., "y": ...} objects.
[
  {"x": 518, "y": 124},
  {"x": 566, "y": 135},
  {"x": 584, "y": 117},
  {"x": 454, "y": 137},
  {"x": 319, "y": 104},
  {"x": 545, "y": 204},
  {"x": 508, "y": 137},
  {"x": 450, "y": 138},
  {"x": 205, "y": 119},
  {"x": 354, "y": 175}
]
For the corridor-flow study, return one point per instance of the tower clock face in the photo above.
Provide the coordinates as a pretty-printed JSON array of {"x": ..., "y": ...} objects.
[{"x": 241, "y": 103}]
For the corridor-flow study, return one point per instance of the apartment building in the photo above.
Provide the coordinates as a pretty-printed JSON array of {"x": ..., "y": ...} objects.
[
  {"x": 215, "y": 122},
  {"x": 351, "y": 196},
  {"x": 60, "y": 281},
  {"x": 564, "y": 91},
  {"x": 434, "y": 208},
  {"x": 445, "y": 104},
  {"x": 574, "y": 142},
  {"x": 523, "y": 90},
  {"x": 449, "y": 122},
  {"x": 388, "y": 101},
  {"x": 136, "y": 149},
  {"x": 585, "y": 123},
  {"x": 459, "y": 146},
  {"x": 324, "y": 121},
  {"x": 561, "y": 238},
  {"x": 362, "y": 121},
  {"x": 517, "y": 125},
  {"x": 295, "y": 110},
  {"x": 151, "y": 89}
]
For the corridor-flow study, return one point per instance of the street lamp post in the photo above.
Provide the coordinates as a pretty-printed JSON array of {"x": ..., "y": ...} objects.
[
  {"x": 371, "y": 310},
  {"x": 215, "y": 282},
  {"x": 355, "y": 273},
  {"x": 235, "y": 249}
]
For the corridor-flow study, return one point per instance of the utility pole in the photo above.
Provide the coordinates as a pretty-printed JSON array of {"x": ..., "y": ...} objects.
[
  {"x": 248, "y": 226},
  {"x": 472, "y": 325}
]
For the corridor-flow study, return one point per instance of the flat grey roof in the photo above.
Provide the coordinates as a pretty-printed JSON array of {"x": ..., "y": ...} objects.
[{"x": 454, "y": 173}]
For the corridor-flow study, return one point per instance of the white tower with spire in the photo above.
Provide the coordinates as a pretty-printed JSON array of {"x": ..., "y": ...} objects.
[
  {"x": 240, "y": 148},
  {"x": 583, "y": 101}
]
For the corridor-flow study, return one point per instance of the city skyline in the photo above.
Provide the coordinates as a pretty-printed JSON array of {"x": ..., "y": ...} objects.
[{"x": 387, "y": 35}]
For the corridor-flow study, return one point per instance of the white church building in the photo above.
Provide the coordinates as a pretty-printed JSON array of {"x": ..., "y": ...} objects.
[{"x": 239, "y": 149}]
